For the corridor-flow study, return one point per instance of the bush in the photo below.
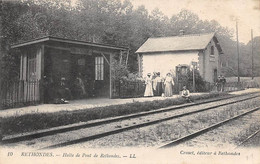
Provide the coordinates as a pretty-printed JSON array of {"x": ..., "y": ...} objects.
[
  {"x": 200, "y": 84},
  {"x": 36, "y": 121},
  {"x": 126, "y": 84},
  {"x": 119, "y": 71}
]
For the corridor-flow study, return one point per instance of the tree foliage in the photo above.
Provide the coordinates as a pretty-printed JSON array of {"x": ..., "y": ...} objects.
[{"x": 104, "y": 21}]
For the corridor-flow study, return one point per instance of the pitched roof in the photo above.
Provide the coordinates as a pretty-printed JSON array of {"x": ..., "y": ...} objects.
[
  {"x": 178, "y": 43},
  {"x": 70, "y": 41}
]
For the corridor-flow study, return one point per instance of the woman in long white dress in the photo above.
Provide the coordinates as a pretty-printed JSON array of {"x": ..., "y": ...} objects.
[
  {"x": 149, "y": 88},
  {"x": 169, "y": 83}
]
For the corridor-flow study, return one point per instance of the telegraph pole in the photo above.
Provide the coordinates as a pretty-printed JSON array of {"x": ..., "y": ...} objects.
[
  {"x": 252, "y": 40},
  {"x": 238, "y": 77},
  {"x": 193, "y": 79},
  {"x": 193, "y": 75},
  {"x": 1, "y": 51}
]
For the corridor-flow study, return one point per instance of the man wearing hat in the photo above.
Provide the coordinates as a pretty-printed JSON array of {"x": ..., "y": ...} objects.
[
  {"x": 218, "y": 84},
  {"x": 223, "y": 82}
]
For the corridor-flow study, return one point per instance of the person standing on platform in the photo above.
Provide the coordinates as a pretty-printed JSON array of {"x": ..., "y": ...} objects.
[
  {"x": 168, "y": 83},
  {"x": 218, "y": 84},
  {"x": 158, "y": 85},
  {"x": 48, "y": 89},
  {"x": 148, "y": 88},
  {"x": 223, "y": 82},
  {"x": 80, "y": 87}
]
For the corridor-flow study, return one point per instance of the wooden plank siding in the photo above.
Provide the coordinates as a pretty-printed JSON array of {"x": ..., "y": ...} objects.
[{"x": 57, "y": 58}]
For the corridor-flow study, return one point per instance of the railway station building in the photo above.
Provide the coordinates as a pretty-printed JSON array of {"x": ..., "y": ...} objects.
[
  {"x": 58, "y": 58},
  {"x": 163, "y": 54}
]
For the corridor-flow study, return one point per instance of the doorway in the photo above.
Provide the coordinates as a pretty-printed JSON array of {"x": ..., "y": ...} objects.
[
  {"x": 101, "y": 75},
  {"x": 215, "y": 75}
]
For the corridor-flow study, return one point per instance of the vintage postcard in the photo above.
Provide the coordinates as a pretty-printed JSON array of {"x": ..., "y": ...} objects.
[{"x": 130, "y": 81}]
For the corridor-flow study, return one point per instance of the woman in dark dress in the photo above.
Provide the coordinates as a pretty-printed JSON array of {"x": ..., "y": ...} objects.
[{"x": 158, "y": 85}]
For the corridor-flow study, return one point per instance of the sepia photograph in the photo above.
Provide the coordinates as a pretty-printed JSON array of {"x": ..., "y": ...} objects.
[{"x": 130, "y": 81}]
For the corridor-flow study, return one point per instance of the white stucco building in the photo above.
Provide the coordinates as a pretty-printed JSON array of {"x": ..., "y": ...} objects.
[{"x": 163, "y": 54}]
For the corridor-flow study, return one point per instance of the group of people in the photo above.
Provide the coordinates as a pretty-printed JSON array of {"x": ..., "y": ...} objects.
[
  {"x": 61, "y": 91},
  {"x": 220, "y": 83},
  {"x": 158, "y": 86}
]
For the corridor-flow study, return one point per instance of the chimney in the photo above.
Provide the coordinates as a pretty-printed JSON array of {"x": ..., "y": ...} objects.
[{"x": 181, "y": 32}]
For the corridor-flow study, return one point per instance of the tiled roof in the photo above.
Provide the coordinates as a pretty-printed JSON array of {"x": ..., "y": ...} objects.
[{"x": 177, "y": 43}]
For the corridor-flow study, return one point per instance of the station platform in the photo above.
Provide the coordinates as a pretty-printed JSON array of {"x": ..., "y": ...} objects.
[{"x": 92, "y": 103}]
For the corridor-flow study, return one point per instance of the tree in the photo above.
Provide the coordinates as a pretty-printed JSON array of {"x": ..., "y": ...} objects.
[
  {"x": 105, "y": 21},
  {"x": 159, "y": 23}
]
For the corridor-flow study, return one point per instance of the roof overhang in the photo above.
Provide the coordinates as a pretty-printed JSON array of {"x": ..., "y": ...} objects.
[
  {"x": 176, "y": 51},
  {"x": 69, "y": 41}
]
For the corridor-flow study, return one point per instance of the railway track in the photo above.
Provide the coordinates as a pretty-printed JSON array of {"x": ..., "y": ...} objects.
[
  {"x": 248, "y": 138},
  {"x": 118, "y": 130},
  {"x": 205, "y": 130}
]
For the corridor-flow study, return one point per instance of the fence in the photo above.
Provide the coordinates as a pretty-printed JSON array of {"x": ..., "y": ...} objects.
[
  {"x": 235, "y": 86},
  {"x": 23, "y": 93},
  {"x": 20, "y": 93},
  {"x": 128, "y": 89}
]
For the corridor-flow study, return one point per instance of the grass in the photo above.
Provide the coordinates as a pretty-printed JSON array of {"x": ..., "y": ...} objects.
[{"x": 37, "y": 121}]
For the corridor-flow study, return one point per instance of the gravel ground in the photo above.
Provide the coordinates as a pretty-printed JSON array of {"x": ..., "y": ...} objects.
[
  {"x": 253, "y": 142},
  {"x": 152, "y": 135},
  {"x": 229, "y": 135},
  {"x": 155, "y": 136}
]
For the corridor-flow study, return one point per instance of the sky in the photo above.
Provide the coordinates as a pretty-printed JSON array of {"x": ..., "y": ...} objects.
[{"x": 224, "y": 11}]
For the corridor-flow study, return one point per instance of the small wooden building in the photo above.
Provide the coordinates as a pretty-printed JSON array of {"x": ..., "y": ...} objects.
[
  {"x": 163, "y": 54},
  {"x": 59, "y": 58}
]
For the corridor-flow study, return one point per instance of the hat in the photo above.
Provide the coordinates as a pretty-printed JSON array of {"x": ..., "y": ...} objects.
[
  {"x": 149, "y": 74},
  {"x": 184, "y": 87},
  {"x": 63, "y": 78}
]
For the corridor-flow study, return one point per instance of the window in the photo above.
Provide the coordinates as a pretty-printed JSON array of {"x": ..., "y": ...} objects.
[
  {"x": 212, "y": 50},
  {"x": 32, "y": 67},
  {"x": 184, "y": 70},
  {"x": 223, "y": 64},
  {"x": 99, "y": 68}
]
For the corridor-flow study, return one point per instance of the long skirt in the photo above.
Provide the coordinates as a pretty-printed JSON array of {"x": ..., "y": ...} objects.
[
  {"x": 168, "y": 89},
  {"x": 148, "y": 90},
  {"x": 159, "y": 89}
]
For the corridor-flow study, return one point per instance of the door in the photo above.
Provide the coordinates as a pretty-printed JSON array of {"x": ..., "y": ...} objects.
[
  {"x": 215, "y": 75},
  {"x": 101, "y": 86}
]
